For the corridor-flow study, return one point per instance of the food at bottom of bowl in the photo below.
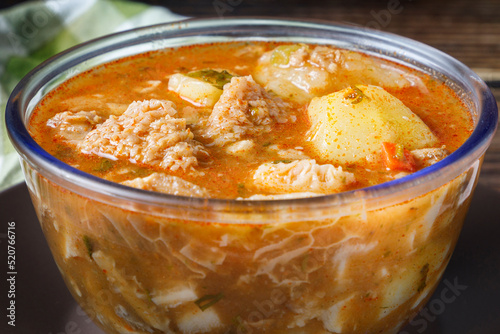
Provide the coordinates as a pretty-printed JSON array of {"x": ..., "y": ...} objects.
[
  {"x": 257, "y": 120},
  {"x": 358, "y": 271}
]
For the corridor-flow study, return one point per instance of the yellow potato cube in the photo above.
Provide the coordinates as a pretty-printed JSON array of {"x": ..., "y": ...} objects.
[
  {"x": 349, "y": 125},
  {"x": 196, "y": 91}
]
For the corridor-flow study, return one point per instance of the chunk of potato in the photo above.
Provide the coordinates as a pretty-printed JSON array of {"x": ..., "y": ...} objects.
[
  {"x": 350, "y": 125},
  {"x": 297, "y": 83},
  {"x": 401, "y": 287},
  {"x": 196, "y": 91}
]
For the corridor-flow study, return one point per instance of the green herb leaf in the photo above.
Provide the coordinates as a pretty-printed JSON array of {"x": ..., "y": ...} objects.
[
  {"x": 63, "y": 153},
  {"x": 88, "y": 245},
  {"x": 217, "y": 79},
  {"x": 356, "y": 95},
  {"x": 208, "y": 300},
  {"x": 285, "y": 161},
  {"x": 400, "y": 152},
  {"x": 104, "y": 166},
  {"x": 281, "y": 55},
  {"x": 423, "y": 277},
  {"x": 240, "y": 325},
  {"x": 140, "y": 172},
  {"x": 148, "y": 295},
  {"x": 241, "y": 189}
]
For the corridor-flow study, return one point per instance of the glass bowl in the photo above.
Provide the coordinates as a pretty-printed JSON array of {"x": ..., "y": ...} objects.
[{"x": 363, "y": 261}]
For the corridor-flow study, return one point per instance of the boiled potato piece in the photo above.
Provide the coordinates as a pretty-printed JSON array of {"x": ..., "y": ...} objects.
[
  {"x": 287, "y": 72},
  {"x": 401, "y": 287},
  {"x": 193, "y": 320},
  {"x": 297, "y": 84},
  {"x": 349, "y": 125},
  {"x": 196, "y": 91}
]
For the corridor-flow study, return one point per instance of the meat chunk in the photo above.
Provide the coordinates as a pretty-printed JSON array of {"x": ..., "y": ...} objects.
[
  {"x": 167, "y": 184},
  {"x": 245, "y": 109},
  {"x": 428, "y": 156},
  {"x": 149, "y": 133},
  {"x": 72, "y": 127},
  {"x": 327, "y": 58},
  {"x": 321, "y": 56},
  {"x": 301, "y": 176}
]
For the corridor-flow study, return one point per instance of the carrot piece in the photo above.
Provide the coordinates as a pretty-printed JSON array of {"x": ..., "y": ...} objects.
[{"x": 396, "y": 157}]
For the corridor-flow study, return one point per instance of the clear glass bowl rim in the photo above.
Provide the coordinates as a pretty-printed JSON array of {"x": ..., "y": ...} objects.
[{"x": 373, "y": 197}]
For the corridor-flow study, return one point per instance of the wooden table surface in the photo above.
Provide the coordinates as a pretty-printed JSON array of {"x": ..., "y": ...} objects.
[{"x": 467, "y": 30}]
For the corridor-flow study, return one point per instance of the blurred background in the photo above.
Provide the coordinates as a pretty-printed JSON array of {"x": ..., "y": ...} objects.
[{"x": 467, "y": 29}]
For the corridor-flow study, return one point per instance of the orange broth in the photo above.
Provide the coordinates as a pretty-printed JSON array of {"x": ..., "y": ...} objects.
[
  {"x": 141, "y": 272},
  {"x": 114, "y": 84}
]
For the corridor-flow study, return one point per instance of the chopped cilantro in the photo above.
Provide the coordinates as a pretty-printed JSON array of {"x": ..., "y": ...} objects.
[
  {"x": 355, "y": 95},
  {"x": 240, "y": 325},
  {"x": 399, "y": 154},
  {"x": 208, "y": 300},
  {"x": 148, "y": 295},
  {"x": 285, "y": 161},
  {"x": 88, "y": 245},
  {"x": 63, "y": 153},
  {"x": 241, "y": 189},
  {"x": 217, "y": 79},
  {"x": 423, "y": 277},
  {"x": 104, "y": 166}
]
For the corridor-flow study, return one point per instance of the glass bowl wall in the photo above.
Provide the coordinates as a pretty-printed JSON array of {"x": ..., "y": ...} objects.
[{"x": 143, "y": 262}]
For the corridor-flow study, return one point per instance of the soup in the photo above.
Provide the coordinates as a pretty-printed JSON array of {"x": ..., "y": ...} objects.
[
  {"x": 245, "y": 121},
  {"x": 251, "y": 121}
]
